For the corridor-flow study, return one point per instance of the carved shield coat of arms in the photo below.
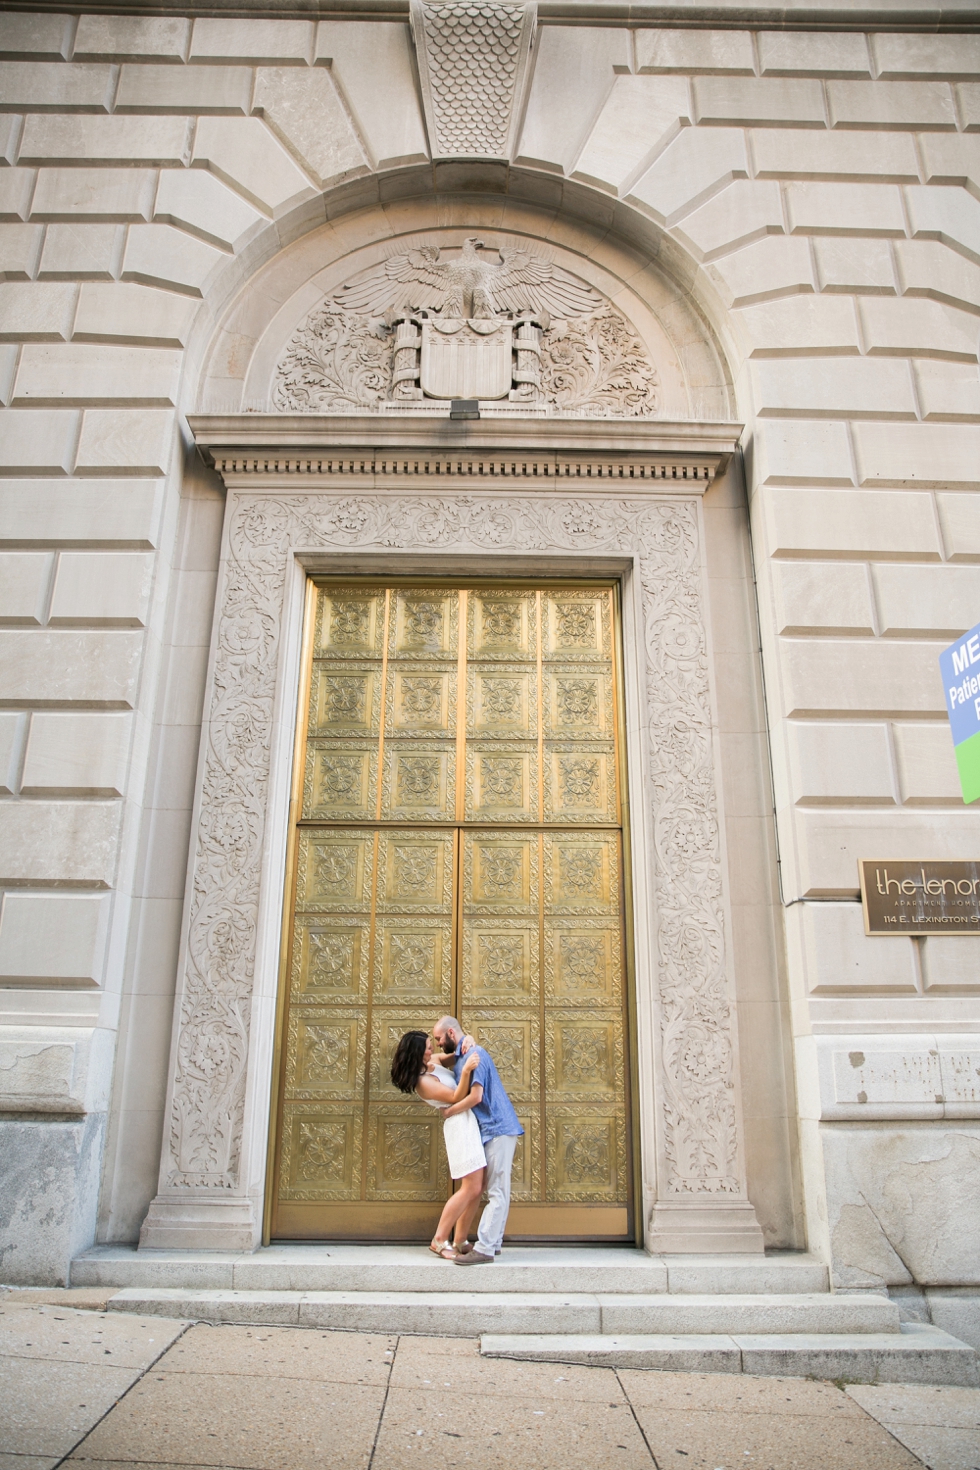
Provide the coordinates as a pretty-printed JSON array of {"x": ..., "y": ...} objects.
[
  {"x": 475, "y": 322},
  {"x": 466, "y": 359}
]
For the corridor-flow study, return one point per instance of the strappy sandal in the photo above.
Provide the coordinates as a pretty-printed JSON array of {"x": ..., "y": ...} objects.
[{"x": 443, "y": 1249}]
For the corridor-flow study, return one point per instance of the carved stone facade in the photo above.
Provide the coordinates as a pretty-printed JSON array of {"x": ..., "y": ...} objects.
[
  {"x": 701, "y": 1162},
  {"x": 723, "y": 183}
]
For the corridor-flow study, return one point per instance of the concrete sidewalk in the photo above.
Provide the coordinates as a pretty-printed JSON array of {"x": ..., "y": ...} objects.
[{"x": 99, "y": 1390}]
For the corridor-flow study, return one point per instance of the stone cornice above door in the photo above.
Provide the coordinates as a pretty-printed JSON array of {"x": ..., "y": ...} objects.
[{"x": 264, "y": 449}]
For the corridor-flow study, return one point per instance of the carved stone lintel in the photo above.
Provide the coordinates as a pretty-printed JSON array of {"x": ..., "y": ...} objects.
[
  {"x": 473, "y": 66},
  {"x": 702, "y": 1169}
]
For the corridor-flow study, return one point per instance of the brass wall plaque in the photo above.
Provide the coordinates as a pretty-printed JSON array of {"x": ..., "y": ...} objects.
[{"x": 920, "y": 897}]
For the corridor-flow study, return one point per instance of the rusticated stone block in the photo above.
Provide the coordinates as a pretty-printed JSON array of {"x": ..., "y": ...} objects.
[
  {"x": 840, "y": 959},
  {"x": 390, "y": 120},
  {"x": 917, "y": 455},
  {"x": 55, "y": 936},
  {"x": 105, "y": 140},
  {"x": 159, "y": 255},
  {"x": 101, "y": 589},
  {"x": 79, "y": 512},
  {"x": 797, "y": 452},
  {"x": 754, "y": 102},
  {"x": 837, "y": 764},
  {"x": 132, "y": 37},
  {"x": 124, "y": 311},
  {"x": 858, "y": 388},
  {"x": 813, "y": 598},
  {"x": 81, "y": 373},
  {"x": 813, "y": 54},
  {"x": 25, "y": 577},
  {"x": 262, "y": 42},
  {"x": 34, "y": 441},
  {"x": 36, "y": 311},
  {"x": 845, "y": 209},
  {"x": 80, "y": 252},
  {"x": 103, "y": 194},
  {"x": 854, "y": 266},
  {"x": 35, "y": 37},
  {"x": 839, "y": 523},
  {"x": 903, "y": 55},
  {"x": 696, "y": 164},
  {"x": 911, "y": 106},
  {"x": 194, "y": 89},
  {"x": 125, "y": 441},
  {"x": 692, "y": 51},
  {"x": 75, "y": 754}
]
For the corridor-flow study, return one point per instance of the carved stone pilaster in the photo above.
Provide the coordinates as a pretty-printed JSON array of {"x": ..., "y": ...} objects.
[
  {"x": 473, "y": 66},
  {"x": 214, "y": 1137}
]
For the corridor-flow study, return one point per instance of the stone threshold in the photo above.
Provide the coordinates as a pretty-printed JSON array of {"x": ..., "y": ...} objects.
[
  {"x": 328, "y": 1267},
  {"x": 449, "y": 1308}
]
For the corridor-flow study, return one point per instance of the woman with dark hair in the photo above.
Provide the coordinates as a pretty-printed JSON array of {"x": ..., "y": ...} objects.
[{"x": 415, "y": 1069}]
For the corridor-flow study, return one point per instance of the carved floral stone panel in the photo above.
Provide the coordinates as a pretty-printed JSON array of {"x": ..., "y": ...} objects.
[{"x": 204, "y": 1137}]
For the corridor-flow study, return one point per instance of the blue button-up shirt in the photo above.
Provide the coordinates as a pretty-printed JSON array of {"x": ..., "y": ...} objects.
[{"x": 495, "y": 1111}]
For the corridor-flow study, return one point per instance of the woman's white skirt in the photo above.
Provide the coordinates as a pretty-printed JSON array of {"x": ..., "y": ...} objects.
[{"x": 463, "y": 1147}]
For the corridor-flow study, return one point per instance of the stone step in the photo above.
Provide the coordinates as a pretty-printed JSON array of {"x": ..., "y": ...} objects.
[
  {"x": 470, "y": 1313},
  {"x": 916, "y": 1354},
  {"x": 413, "y": 1268}
]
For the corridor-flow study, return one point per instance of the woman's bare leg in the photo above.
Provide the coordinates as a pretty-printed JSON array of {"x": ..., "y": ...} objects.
[
  {"x": 464, "y": 1201},
  {"x": 447, "y": 1220}
]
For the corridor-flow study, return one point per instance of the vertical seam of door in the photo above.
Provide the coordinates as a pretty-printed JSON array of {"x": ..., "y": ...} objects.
[
  {"x": 542, "y": 1045},
  {"x": 456, "y": 994},
  {"x": 372, "y": 929}
]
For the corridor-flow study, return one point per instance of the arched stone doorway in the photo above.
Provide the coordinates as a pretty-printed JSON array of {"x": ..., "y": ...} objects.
[{"x": 295, "y": 510}]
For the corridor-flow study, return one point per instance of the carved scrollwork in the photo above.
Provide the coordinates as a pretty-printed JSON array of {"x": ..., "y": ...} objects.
[
  {"x": 203, "y": 1142},
  {"x": 598, "y": 366},
  {"x": 340, "y": 361},
  {"x": 335, "y": 363}
]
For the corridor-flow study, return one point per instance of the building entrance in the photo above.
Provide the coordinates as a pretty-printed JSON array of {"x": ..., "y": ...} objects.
[{"x": 457, "y": 845}]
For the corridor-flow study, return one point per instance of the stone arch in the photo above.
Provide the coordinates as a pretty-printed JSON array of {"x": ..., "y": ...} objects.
[
  {"x": 286, "y": 266},
  {"x": 253, "y": 303}
]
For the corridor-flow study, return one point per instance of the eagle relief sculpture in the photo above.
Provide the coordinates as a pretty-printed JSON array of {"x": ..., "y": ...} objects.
[{"x": 476, "y": 323}]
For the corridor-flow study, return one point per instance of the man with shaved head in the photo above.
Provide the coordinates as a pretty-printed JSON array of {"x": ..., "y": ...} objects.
[{"x": 499, "y": 1131}]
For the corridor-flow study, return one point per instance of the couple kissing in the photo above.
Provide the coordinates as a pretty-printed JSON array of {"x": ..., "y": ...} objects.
[{"x": 450, "y": 1072}]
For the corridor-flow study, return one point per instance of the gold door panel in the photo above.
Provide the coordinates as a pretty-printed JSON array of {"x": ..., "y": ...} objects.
[
  {"x": 420, "y": 701},
  {"x": 457, "y": 847}
]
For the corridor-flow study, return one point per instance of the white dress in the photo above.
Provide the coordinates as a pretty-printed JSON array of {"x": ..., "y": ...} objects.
[{"x": 461, "y": 1132}]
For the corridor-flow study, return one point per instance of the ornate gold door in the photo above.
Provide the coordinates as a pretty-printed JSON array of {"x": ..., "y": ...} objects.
[{"x": 457, "y": 846}]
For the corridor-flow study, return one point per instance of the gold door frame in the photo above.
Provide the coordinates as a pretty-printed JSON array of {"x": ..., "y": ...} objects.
[{"x": 402, "y": 1218}]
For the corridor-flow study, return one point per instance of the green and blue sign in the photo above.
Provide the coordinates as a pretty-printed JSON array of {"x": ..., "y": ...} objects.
[{"x": 960, "y": 666}]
